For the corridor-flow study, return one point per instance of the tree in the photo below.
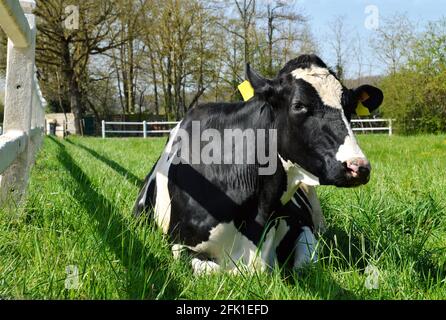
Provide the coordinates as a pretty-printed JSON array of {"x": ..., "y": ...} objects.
[
  {"x": 358, "y": 57},
  {"x": 307, "y": 43},
  {"x": 67, "y": 51},
  {"x": 3, "y": 49},
  {"x": 276, "y": 14},
  {"x": 3, "y": 42},
  {"x": 392, "y": 40},
  {"x": 339, "y": 44},
  {"x": 131, "y": 50},
  {"x": 416, "y": 91},
  {"x": 242, "y": 27},
  {"x": 159, "y": 56}
]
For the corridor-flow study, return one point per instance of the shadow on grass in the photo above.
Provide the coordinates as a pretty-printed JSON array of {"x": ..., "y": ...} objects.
[
  {"x": 318, "y": 280},
  {"x": 112, "y": 164},
  {"x": 142, "y": 266},
  {"x": 351, "y": 249},
  {"x": 137, "y": 259}
]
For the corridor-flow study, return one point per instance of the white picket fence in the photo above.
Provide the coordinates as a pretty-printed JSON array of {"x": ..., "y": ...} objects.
[
  {"x": 365, "y": 125},
  {"x": 24, "y": 115}
]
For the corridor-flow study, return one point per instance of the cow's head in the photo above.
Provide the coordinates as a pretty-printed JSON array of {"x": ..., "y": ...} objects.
[{"x": 312, "y": 112}]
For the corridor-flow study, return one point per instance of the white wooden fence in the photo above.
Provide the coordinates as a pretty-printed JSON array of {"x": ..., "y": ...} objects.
[
  {"x": 364, "y": 125},
  {"x": 359, "y": 125},
  {"x": 24, "y": 114},
  {"x": 145, "y": 127}
]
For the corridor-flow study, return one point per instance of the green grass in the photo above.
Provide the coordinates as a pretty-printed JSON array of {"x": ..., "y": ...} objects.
[{"x": 78, "y": 212}]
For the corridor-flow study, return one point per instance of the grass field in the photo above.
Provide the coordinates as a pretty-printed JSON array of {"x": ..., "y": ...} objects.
[{"x": 78, "y": 212}]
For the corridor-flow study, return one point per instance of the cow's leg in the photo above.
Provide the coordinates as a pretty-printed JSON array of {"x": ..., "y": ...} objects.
[
  {"x": 200, "y": 264},
  {"x": 204, "y": 267},
  {"x": 305, "y": 250},
  {"x": 177, "y": 249}
]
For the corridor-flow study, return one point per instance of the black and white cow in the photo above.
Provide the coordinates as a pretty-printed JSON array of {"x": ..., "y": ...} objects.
[{"x": 228, "y": 215}]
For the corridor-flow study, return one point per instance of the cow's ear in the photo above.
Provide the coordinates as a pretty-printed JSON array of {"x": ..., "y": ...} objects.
[
  {"x": 260, "y": 84},
  {"x": 369, "y": 96}
]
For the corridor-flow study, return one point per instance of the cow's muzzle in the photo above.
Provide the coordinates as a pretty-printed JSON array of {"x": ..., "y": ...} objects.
[{"x": 358, "y": 171}]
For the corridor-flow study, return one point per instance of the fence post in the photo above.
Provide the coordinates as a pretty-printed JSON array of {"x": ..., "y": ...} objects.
[
  {"x": 18, "y": 108},
  {"x": 103, "y": 129},
  {"x": 144, "y": 129},
  {"x": 390, "y": 127}
]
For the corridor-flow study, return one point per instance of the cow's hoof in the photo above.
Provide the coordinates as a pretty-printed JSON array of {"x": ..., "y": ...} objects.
[
  {"x": 177, "y": 249},
  {"x": 202, "y": 267}
]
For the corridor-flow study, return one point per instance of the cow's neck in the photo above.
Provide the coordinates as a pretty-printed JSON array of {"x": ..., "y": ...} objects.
[
  {"x": 258, "y": 114},
  {"x": 295, "y": 175}
]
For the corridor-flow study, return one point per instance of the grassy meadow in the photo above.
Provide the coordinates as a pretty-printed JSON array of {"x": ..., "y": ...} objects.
[{"x": 78, "y": 213}]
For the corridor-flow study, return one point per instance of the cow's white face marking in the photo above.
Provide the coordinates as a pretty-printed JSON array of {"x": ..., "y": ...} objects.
[
  {"x": 327, "y": 86},
  {"x": 350, "y": 148},
  {"x": 329, "y": 90}
]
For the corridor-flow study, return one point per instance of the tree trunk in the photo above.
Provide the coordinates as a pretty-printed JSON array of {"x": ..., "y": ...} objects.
[
  {"x": 75, "y": 101},
  {"x": 119, "y": 84},
  {"x": 169, "y": 96},
  {"x": 270, "y": 42},
  {"x": 155, "y": 83},
  {"x": 73, "y": 88},
  {"x": 131, "y": 76}
]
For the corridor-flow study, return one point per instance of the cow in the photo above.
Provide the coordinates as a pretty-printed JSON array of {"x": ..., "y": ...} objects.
[{"x": 229, "y": 216}]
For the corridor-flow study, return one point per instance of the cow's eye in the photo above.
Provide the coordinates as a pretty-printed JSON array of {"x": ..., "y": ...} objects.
[{"x": 299, "y": 108}]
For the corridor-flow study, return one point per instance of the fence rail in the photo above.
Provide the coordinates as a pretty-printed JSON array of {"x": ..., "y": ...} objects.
[
  {"x": 24, "y": 114},
  {"x": 146, "y": 127},
  {"x": 364, "y": 129},
  {"x": 145, "y": 132}
]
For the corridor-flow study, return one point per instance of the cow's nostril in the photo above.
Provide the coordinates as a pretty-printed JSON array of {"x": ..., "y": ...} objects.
[
  {"x": 364, "y": 170},
  {"x": 358, "y": 168}
]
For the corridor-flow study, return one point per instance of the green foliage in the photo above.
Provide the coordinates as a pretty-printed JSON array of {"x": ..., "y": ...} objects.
[
  {"x": 416, "y": 95},
  {"x": 54, "y": 106},
  {"x": 78, "y": 212}
]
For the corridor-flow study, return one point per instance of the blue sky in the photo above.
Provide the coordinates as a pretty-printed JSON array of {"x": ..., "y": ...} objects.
[{"x": 321, "y": 12}]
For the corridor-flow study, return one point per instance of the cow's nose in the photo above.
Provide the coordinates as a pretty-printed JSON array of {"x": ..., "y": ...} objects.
[{"x": 359, "y": 168}]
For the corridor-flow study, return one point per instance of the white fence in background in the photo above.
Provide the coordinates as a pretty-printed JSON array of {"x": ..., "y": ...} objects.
[
  {"x": 369, "y": 125},
  {"x": 24, "y": 114},
  {"x": 146, "y": 128}
]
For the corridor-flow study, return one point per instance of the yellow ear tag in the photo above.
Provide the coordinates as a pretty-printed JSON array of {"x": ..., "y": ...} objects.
[
  {"x": 361, "y": 110},
  {"x": 246, "y": 90}
]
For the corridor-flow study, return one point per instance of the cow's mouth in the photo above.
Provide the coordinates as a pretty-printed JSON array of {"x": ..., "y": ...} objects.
[{"x": 351, "y": 169}]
